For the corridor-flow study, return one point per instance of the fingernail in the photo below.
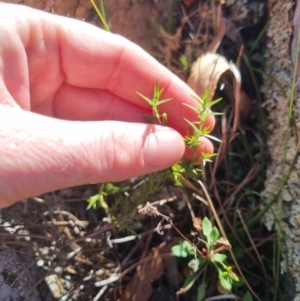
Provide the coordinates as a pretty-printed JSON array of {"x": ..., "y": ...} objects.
[{"x": 163, "y": 148}]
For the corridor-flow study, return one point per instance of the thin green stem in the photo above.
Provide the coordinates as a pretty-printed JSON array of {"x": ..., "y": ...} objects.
[{"x": 101, "y": 16}]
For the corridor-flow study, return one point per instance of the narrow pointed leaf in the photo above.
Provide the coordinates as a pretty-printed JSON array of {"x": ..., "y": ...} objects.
[{"x": 145, "y": 98}]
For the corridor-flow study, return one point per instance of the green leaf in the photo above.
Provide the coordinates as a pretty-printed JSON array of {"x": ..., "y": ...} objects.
[
  {"x": 226, "y": 281},
  {"x": 201, "y": 292},
  {"x": 184, "y": 62},
  {"x": 247, "y": 297},
  {"x": 206, "y": 96},
  {"x": 145, "y": 98},
  {"x": 189, "y": 279},
  {"x": 198, "y": 99},
  {"x": 214, "y": 235},
  {"x": 212, "y": 103},
  {"x": 112, "y": 188},
  {"x": 159, "y": 102},
  {"x": 207, "y": 228},
  {"x": 239, "y": 283},
  {"x": 218, "y": 258},
  {"x": 192, "y": 124},
  {"x": 93, "y": 201},
  {"x": 192, "y": 108},
  {"x": 179, "y": 251},
  {"x": 183, "y": 249},
  {"x": 97, "y": 201}
]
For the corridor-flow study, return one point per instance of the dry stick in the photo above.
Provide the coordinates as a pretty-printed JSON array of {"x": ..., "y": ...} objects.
[
  {"x": 265, "y": 240},
  {"x": 241, "y": 52},
  {"x": 185, "y": 18},
  {"x": 183, "y": 290},
  {"x": 251, "y": 174},
  {"x": 65, "y": 230},
  {"x": 185, "y": 238},
  {"x": 221, "y": 151},
  {"x": 18, "y": 235},
  {"x": 164, "y": 201},
  {"x": 252, "y": 243},
  {"x": 214, "y": 45},
  {"x": 95, "y": 233},
  {"x": 142, "y": 258},
  {"x": 195, "y": 38},
  {"x": 101, "y": 292},
  {"x": 237, "y": 88},
  {"x": 77, "y": 222},
  {"x": 198, "y": 197},
  {"x": 150, "y": 210},
  {"x": 189, "y": 184},
  {"x": 186, "y": 199},
  {"x": 237, "y": 83},
  {"x": 249, "y": 177},
  {"x": 242, "y": 244},
  {"x": 128, "y": 256}
]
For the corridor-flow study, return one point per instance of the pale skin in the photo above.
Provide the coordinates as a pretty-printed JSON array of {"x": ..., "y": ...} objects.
[{"x": 69, "y": 111}]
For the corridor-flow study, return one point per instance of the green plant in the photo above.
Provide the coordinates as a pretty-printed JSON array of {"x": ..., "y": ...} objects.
[
  {"x": 211, "y": 247},
  {"x": 98, "y": 200},
  {"x": 187, "y": 169},
  {"x": 155, "y": 102}
]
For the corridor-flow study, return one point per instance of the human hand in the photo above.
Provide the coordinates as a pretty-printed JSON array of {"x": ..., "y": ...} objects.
[{"x": 69, "y": 111}]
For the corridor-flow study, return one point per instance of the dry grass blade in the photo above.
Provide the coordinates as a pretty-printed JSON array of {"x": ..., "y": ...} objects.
[
  {"x": 221, "y": 29},
  {"x": 252, "y": 243}
]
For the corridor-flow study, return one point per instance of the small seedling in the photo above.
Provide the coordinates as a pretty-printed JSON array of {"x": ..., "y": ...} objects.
[
  {"x": 98, "y": 200},
  {"x": 184, "y": 62},
  {"x": 211, "y": 243},
  {"x": 155, "y": 102},
  {"x": 184, "y": 168},
  {"x": 211, "y": 246}
]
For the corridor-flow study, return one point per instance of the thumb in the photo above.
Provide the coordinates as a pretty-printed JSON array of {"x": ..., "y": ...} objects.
[{"x": 40, "y": 154}]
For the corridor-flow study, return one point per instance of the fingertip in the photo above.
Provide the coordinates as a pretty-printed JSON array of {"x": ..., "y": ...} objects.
[
  {"x": 205, "y": 147},
  {"x": 210, "y": 122},
  {"x": 163, "y": 148}
]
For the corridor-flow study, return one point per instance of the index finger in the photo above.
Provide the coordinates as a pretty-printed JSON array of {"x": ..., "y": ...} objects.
[
  {"x": 111, "y": 62},
  {"x": 62, "y": 50}
]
